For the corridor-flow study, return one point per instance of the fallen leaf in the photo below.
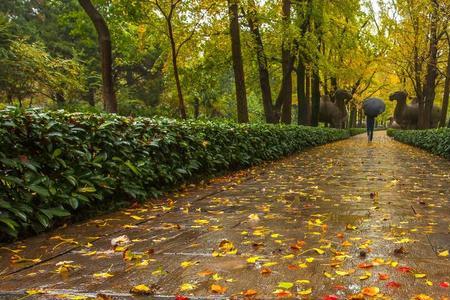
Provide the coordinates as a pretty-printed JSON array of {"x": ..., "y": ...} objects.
[
  {"x": 443, "y": 253},
  {"x": 421, "y": 297},
  {"x": 187, "y": 287},
  {"x": 393, "y": 284},
  {"x": 218, "y": 289},
  {"x": 103, "y": 275},
  {"x": 249, "y": 293},
  {"x": 418, "y": 275},
  {"x": 142, "y": 289},
  {"x": 305, "y": 292},
  {"x": 444, "y": 284},
  {"x": 285, "y": 285},
  {"x": 370, "y": 291}
]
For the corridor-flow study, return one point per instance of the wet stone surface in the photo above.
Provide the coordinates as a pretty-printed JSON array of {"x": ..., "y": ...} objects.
[{"x": 348, "y": 220}]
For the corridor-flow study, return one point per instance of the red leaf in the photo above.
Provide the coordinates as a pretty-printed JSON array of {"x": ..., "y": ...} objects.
[
  {"x": 444, "y": 284},
  {"x": 340, "y": 287},
  {"x": 365, "y": 266},
  {"x": 393, "y": 284},
  {"x": 179, "y": 297},
  {"x": 331, "y": 297},
  {"x": 404, "y": 269}
]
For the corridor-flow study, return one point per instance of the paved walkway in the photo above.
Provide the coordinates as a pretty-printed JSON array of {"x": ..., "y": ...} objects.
[{"x": 348, "y": 218}]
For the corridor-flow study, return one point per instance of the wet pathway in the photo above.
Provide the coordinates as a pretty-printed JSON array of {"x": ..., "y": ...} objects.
[{"x": 348, "y": 220}]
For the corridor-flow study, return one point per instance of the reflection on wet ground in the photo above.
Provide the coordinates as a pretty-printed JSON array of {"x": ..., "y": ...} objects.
[{"x": 345, "y": 220}]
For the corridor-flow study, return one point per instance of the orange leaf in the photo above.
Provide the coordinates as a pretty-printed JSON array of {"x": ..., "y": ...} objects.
[
  {"x": 215, "y": 288},
  {"x": 383, "y": 276},
  {"x": 249, "y": 293},
  {"x": 370, "y": 291}
]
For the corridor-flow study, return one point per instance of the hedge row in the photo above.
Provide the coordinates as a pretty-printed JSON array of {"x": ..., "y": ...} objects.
[
  {"x": 436, "y": 141},
  {"x": 54, "y": 165}
]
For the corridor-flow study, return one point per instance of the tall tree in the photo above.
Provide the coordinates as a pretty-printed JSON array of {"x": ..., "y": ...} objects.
[
  {"x": 446, "y": 92},
  {"x": 104, "y": 40},
  {"x": 168, "y": 17},
  {"x": 429, "y": 86},
  {"x": 264, "y": 79},
  {"x": 284, "y": 99},
  {"x": 238, "y": 66}
]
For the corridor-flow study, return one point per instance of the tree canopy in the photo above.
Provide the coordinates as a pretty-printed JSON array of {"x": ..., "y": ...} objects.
[{"x": 248, "y": 60}]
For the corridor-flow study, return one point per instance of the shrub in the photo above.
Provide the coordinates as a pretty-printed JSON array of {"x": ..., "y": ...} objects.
[
  {"x": 436, "y": 141},
  {"x": 54, "y": 165}
]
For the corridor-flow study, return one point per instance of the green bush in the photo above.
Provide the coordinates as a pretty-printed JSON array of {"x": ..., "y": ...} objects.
[
  {"x": 54, "y": 165},
  {"x": 436, "y": 141}
]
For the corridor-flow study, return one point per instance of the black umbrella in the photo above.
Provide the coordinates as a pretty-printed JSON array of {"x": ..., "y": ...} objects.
[{"x": 373, "y": 107}]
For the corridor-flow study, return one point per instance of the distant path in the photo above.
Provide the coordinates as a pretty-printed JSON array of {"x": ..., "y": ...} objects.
[{"x": 308, "y": 217}]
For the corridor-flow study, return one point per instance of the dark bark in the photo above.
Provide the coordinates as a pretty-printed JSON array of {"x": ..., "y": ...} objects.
[
  {"x": 446, "y": 92},
  {"x": 429, "y": 88},
  {"x": 104, "y": 38},
  {"x": 181, "y": 106},
  {"x": 303, "y": 102},
  {"x": 315, "y": 99},
  {"x": 352, "y": 119},
  {"x": 60, "y": 101},
  {"x": 285, "y": 95},
  {"x": 196, "y": 107},
  {"x": 91, "y": 96},
  {"x": 308, "y": 94},
  {"x": 262, "y": 66},
  {"x": 238, "y": 67}
]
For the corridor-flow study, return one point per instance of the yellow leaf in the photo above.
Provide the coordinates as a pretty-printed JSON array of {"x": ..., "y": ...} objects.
[
  {"x": 269, "y": 264},
  {"x": 137, "y": 217},
  {"x": 201, "y": 222},
  {"x": 421, "y": 297},
  {"x": 366, "y": 275},
  {"x": 310, "y": 259},
  {"x": 319, "y": 251},
  {"x": 305, "y": 292},
  {"x": 217, "y": 277},
  {"x": 285, "y": 285},
  {"x": 394, "y": 264},
  {"x": 420, "y": 275},
  {"x": 328, "y": 275},
  {"x": 289, "y": 256},
  {"x": 303, "y": 281},
  {"x": 350, "y": 227},
  {"x": 370, "y": 291},
  {"x": 187, "y": 287},
  {"x": 103, "y": 275},
  {"x": 34, "y": 292},
  {"x": 141, "y": 289},
  {"x": 253, "y": 259},
  {"x": 186, "y": 264},
  {"x": 253, "y": 217},
  {"x": 443, "y": 253},
  {"x": 428, "y": 282}
]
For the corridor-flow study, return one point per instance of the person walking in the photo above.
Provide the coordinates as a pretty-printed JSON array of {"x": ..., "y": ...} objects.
[{"x": 372, "y": 108}]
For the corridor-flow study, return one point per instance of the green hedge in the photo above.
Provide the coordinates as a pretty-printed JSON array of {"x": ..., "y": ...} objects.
[
  {"x": 54, "y": 165},
  {"x": 436, "y": 141}
]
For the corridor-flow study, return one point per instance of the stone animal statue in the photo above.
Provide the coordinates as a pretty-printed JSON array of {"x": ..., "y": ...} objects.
[
  {"x": 406, "y": 115},
  {"x": 335, "y": 112},
  {"x": 393, "y": 124}
]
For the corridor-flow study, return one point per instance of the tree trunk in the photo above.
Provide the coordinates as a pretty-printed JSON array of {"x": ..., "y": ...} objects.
[
  {"x": 308, "y": 94},
  {"x": 446, "y": 93},
  {"x": 196, "y": 108},
  {"x": 262, "y": 67},
  {"x": 352, "y": 121},
  {"x": 360, "y": 118},
  {"x": 60, "y": 100},
  {"x": 285, "y": 94},
  {"x": 91, "y": 96},
  {"x": 315, "y": 98},
  {"x": 303, "y": 102},
  {"x": 109, "y": 96},
  {"x": 181, "y": 106},
  {"x": 429, "y": 89},
  {"x": 238, "y": 67}
]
